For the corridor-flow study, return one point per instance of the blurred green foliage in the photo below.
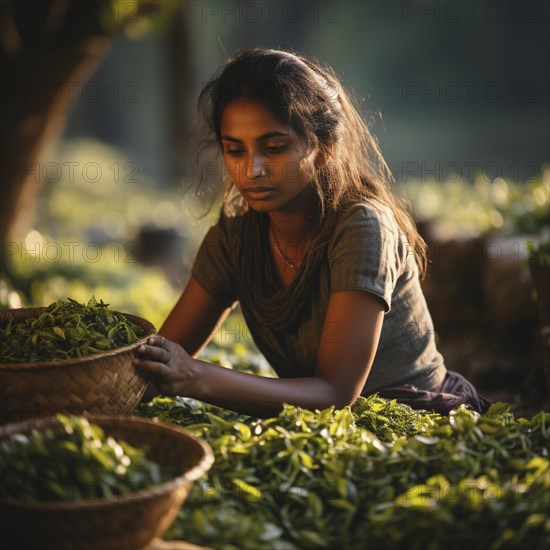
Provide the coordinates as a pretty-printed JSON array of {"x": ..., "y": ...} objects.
[
  {"x": 498, "y": 205},
  {"x": 85, "y": 237},
  {"x": 93, "y": 189},
  {"x": 138, "y": 290}
]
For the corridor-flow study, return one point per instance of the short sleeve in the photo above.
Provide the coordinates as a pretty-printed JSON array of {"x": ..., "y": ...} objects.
[
  {"x": 214, "y": 265},
  {"x": 365, "y": 252}
]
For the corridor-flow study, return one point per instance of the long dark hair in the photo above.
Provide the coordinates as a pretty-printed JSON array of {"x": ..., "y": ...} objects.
[{"x": 310, "y": 98}]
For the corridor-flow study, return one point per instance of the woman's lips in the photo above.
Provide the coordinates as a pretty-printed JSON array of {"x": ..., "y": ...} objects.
[{"x": 259, "y": 193}]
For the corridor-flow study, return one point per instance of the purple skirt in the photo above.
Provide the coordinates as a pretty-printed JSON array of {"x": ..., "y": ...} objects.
[{"x": 454, "y": 391}]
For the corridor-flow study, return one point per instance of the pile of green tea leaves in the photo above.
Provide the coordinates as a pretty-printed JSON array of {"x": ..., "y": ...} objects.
[
  {"x": 377, "y": 475},
  {"x": 73, "y": 462},
  {"x": 65, "y": 330}
]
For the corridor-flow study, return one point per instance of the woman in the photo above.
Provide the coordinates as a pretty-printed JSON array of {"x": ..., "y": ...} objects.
[{"x": 322, "y": 257}]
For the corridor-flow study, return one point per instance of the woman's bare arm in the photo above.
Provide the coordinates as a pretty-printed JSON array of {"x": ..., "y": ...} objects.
[
  {"x": 191, "y": 323},
  {"x": 194, "y": 319},
  {"x": 346, "y": 352}
]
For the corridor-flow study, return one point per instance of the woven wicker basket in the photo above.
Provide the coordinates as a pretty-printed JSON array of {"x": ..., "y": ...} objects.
[
  {"x": 101, "y": 383},
  {"x": 128, "y": 522}
]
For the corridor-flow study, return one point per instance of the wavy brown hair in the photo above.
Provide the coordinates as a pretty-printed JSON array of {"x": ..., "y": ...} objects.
[{"x": 309, "y": 97}]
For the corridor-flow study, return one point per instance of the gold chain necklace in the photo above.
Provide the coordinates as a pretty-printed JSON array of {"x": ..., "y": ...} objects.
[{"x": 281, "y": 253}]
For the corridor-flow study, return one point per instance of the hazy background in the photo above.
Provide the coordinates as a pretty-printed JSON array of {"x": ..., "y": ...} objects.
[{"x": 460, "y": 86}]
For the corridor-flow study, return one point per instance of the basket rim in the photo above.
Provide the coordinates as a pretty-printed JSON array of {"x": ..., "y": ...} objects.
[
  {"x": 158, "y": 489},
  {"x": 146, "y": 325}
]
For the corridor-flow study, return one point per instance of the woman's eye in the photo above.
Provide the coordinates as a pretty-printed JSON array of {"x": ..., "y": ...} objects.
[
  {"x": 234, "y": 152},
  {"x": 276, "y": 148}
]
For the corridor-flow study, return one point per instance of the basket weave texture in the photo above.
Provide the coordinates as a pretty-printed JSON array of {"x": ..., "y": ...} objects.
[
  {"x": 101, "y": 383},
  {"x": 127, "y": 522}
]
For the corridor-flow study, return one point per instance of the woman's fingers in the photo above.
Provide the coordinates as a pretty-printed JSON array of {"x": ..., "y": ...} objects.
[
  {"x": 158, "y": 340},
  {"x": 153, "y": 367},
  {"x": 166, "y": 361},
  {"x": 155, "y": 342},
  {"x": 154, "y": 359},
  {"x": 155, "y": 353}
]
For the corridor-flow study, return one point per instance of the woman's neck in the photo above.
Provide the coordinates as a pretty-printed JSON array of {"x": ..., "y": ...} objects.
[{"x": 293, "y": 223}]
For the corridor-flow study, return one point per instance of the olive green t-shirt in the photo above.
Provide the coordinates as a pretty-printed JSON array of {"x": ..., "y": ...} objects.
[{"x": 368, "y": 252}]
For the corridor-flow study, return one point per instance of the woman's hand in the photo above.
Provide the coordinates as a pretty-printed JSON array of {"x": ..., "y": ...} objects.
[{"x": 174, "y": 370}]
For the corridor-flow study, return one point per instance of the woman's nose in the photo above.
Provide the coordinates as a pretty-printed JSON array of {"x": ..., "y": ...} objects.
[{"x": 255, "y": 169}]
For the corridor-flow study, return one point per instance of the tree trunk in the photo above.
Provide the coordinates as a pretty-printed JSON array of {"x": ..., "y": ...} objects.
[
  {"x": 177, "y": 48},
  {"x": 49, "y": 49},
  {"x": 39, "y": 89}
]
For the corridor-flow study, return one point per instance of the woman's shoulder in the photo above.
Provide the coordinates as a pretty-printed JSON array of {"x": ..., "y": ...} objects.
[
  {"x": 369, "y": 214},
  {"x": 368, "y": 226}
]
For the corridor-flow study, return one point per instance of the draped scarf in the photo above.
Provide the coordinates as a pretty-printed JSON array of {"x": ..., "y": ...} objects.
[{"x": 259, "y": 289}]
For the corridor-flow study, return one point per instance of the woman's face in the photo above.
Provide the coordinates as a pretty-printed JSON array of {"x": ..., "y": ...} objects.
[{"x": 268, "y": 162}]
